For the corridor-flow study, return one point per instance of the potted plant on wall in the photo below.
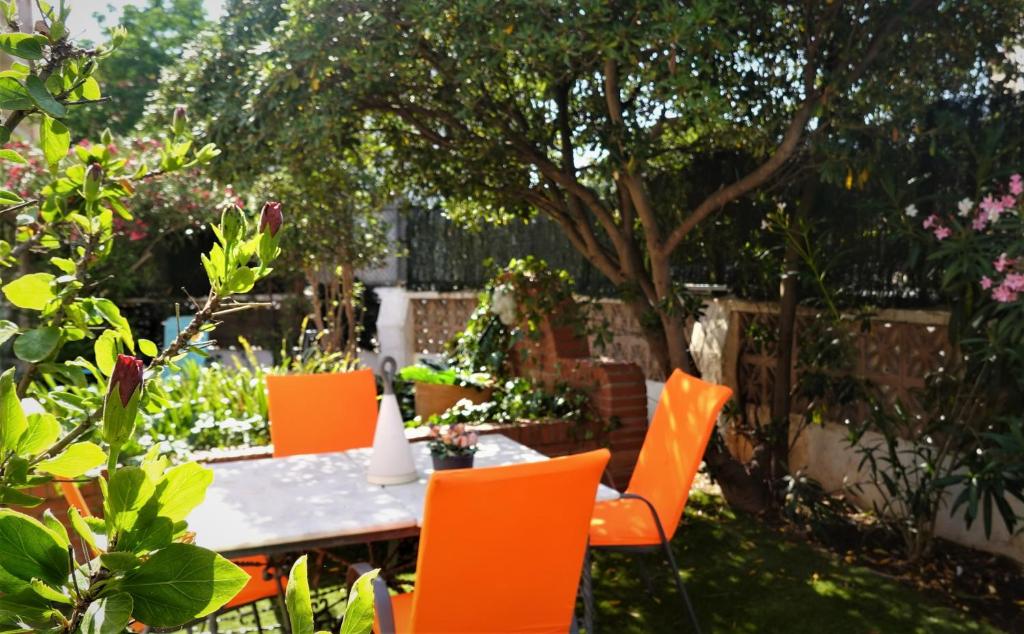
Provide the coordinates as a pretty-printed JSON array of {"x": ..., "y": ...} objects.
[
  {"x": 452, "y": 447},
  {"x": 439, "y": 388}
]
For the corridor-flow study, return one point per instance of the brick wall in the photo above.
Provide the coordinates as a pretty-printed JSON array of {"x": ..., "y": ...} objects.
[{"x": 558, "y": 355}]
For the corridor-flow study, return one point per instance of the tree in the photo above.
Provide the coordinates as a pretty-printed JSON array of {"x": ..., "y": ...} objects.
[
  {"x": 594, "y": 113},
  {"x": 156, "y": 35},
  {"x": 340, "y": 232},
  {"x": 337, "y": 180}
]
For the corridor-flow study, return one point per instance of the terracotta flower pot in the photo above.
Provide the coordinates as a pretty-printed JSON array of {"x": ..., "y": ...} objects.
[{"x": 435, "y": 399}]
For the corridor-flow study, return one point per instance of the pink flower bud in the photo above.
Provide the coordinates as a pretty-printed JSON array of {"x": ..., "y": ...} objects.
[
  {"x": 179, "y": 119},
  {"x": 93, "y": 178},
  {"x": 271, "y": 218},
  {"x": 126, "y": 377}
]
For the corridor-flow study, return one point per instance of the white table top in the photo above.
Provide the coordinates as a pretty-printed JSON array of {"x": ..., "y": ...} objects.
[
  {"x": 260, "y": 505},
  {"x": 493, "y": 450}
]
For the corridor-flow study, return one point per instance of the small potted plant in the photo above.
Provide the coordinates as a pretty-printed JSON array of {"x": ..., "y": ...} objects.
[
  {"x": 452, "y": 447},
  {"x": 439, "y": 388}
]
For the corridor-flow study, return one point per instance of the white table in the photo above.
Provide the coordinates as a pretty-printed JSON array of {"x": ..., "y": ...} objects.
[{"x": 321, "y": 500}]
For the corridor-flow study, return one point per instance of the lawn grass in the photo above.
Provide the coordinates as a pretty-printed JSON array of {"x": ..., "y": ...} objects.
[
  {"x": 742, "y": 577},
  {"x": 745, "y": 577}
]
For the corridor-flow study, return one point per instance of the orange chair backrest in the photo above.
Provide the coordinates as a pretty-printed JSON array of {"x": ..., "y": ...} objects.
[
  {"x": 319, "y": 413},
  {"x": 502, "y": 547},
  {"x": 675, "y": 443},
  {"x": 73, "y": 496}
]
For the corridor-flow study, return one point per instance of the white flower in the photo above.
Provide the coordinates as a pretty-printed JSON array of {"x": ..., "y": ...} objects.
[
  {"x": 965, "y": 207},
  {"x": 503, "y": 304},
  {"x": 911, "y": 211}
]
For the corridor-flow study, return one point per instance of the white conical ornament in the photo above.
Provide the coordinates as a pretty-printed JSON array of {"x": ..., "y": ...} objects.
[{"x": 391, "y": 462}]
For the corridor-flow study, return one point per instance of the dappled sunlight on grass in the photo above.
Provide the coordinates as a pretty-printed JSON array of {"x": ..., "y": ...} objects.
[{"x": 746, "y": 577}]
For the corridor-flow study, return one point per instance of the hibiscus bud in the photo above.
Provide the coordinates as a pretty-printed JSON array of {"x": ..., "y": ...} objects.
[
  {"x": 118, "y": 35},
  {"x": 271, "y": 218},
  {"x": 93, "y": 178},
  {"x": 179, "y": 120},
  {"x": 122, "y": 401}
]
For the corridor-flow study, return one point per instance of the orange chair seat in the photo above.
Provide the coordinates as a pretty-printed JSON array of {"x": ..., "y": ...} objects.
[
  {"x": 401, "y": 609},
  {"x": 257, "y": 587},
  {"x": 623, "y": 523}
]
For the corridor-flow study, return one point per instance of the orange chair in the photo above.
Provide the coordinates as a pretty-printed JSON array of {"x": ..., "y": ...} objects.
[
  {"x": 319, "y": 413},
  {"x": 500, "y": 551},
  {"x": 263, "y": 584},
  {"x": 645, "y": 518}
]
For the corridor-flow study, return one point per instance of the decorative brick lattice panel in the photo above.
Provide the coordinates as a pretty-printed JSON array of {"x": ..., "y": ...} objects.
[
  {"x": 894, "y": 354},
  {"x": 436, "y": 318}
]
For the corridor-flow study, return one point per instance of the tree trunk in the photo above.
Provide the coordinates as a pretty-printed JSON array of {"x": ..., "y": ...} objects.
[
  {"x": 789, "y": 289},
  {"x": 348, "y": 303},
  {"x": 317, "y": 315}
]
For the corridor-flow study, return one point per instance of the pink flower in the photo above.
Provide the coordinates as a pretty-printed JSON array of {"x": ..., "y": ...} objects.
[
  {"x": 1016, "y": 185},
  {"x": 942, "y": 233},
  {"x": 986, "y": 282},
  {"x": 1004, "y": 295},
  {"x": 1008, "y": 202},
  {"x": 930, "y": 221},
  {"x": 992, "y": 207},
  {"x": 1002, "y": 263},
  {"x": 980, "y": 222},
  {"x": 1014, "y": 282}
]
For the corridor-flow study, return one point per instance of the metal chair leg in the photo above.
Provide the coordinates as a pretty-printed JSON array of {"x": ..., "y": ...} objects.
[
  {"x": 682, "y": 588},
  {"x": 588, "y": 593},
  {"x": 645, "y": 574},
  {"x": 256, "y": 616},
  {"x": 286, "y": 625}
]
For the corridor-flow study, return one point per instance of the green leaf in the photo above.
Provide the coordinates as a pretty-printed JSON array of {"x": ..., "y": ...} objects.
[
  {"x": 242, "y": 280},
  {"x": 31, "y": 292},
  {"x": 79, "y": 524},
  {"x": 146, "y": 347},
  {"x": 30, "y": 550},
  {"x": 109, "y": 615},
  {"x": 9, "y": 496},
  {"x": 12, "y": 418},
  {"x": 51, "y": 522},
  {"x": 26, "y": 606},
  {"x": 23, "y": 45},
  {"x": 55, "y": 139},
  {"x": 41, "y": 96},
  {"x": 12, "y": 156},
  {"x": 49, "y": 593},
  {"x": 38, "y": 344},
  {"x": 182, "y": 489},
  {"x": 119, "y": 561},
  {"x": 74, "y": 461},
  {"x": 7, "y": 197},
  {"x": 113, "y": 316},
  {"x": 90, "y": 89},
  {"x": 42, "y": 431},
  {"x": 105, "y": 348},
  {"x": 128, "y": 492},
  {"x": 64, "y": 264},
  {"x": 182, "y": 582},
  {"x": 7, "y": 330},
  {"x": 13, "y": 95},
  {"x": 359, "y": 611},
  {"x": 300, "y": 610}
]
